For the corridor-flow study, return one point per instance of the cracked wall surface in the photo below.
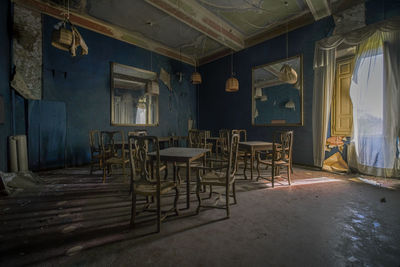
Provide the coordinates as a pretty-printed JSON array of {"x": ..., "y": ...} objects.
[{"x": 27, "y": 50}]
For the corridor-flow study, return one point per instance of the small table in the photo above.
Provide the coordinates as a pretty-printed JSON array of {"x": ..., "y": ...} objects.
[
  {"x": 185, "y": 155},
  {"x": 251, "y": 147}
]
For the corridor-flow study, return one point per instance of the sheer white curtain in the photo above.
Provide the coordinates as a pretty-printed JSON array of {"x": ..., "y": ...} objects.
[
  {"x": 374, "y": 92},
  {"x": 324, "y": 69}
]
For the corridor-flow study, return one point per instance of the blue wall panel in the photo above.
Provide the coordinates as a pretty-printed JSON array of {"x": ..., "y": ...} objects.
[
  {"x": 5, "y": 129},
  {"x": 83, "y": 84}
]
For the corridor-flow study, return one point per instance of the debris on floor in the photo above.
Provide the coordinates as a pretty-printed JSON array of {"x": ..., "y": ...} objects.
[
  {"x": 335, "y": 163},
  {"x": 16, "y": 182}
]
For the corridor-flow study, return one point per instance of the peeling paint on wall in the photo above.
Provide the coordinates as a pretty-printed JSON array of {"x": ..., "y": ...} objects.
[{"x": 27, "y": 49}]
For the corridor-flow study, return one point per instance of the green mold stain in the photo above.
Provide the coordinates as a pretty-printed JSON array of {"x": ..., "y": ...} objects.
[
  {"x": 134, "y": 40},
  {"x": 184, "y": 6}
]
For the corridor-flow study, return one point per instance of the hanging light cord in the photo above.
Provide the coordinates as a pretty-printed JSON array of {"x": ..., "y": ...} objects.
[
  {"x": 232, "y": 63},
  {"x": 287, "y": 41}
]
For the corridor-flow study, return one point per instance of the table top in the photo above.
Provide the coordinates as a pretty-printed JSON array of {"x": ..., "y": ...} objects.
[
  {"x": 255, "y": 143},
  {"x": 213, "y": 138},
  {"x": 180, "y": 153}
]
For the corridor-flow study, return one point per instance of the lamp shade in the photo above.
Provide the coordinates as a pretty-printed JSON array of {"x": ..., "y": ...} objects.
[
  {"x": 196, "y": 78},
  {"x": 62, "y": 39},
  {"x": 232, "y": 85}
]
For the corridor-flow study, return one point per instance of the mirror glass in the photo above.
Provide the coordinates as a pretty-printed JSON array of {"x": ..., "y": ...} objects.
[
  {"x": 134, "y": 96},
  {"x": 277, "y": 93}
]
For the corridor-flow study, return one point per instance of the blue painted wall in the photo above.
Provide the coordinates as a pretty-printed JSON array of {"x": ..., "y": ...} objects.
[
  {"x": 83, "y": 83},
  {"x": 219, "y": 109},
  {"x": 5, "y": 129}
]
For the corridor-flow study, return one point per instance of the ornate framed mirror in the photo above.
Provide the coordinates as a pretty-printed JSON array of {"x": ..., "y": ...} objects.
[{"x": 277, "y": 93}]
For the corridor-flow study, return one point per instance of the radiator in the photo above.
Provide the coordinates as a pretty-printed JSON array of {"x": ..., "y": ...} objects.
[{"x": 18, "y": 153}]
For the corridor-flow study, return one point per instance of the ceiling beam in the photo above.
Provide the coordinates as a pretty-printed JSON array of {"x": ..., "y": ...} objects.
[
  {"x": 319, "y": 8},
  {"x": 201, "y": 19},
  {"x": 104, "y": 28}
]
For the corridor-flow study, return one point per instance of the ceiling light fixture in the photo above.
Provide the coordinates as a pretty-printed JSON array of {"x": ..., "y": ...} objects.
[
  {"x": 287, "y": 73},
  {"x": 196, "y": 76},
  {"x": 67, "y": 39},
  {"x": 232, "y": 84}
]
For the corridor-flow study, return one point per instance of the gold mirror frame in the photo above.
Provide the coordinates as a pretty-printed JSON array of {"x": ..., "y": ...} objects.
[
  {"x": 146, "y": 77},
  {"x": 278, "y": 121}
]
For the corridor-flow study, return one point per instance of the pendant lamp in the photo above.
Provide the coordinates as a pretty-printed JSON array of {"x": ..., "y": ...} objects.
[
  {"x": 287, "y": 73},
  {"x": 196, "y": 77},
  {"x": 232, "y": 84},
  {"x": 61, "y": 37}
]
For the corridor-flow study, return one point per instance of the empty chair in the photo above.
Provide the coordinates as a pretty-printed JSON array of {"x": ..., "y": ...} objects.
[
  {"x": 142, "y": 181},
  {"x": 281, "y": 155},
  {"x": 96, "y": 157},
  {"x": 222, "y": 176},
  {"x": 114, "y": 151}
]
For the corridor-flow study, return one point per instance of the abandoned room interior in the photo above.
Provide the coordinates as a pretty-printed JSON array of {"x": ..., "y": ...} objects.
[{"x": 199, "y": 132}]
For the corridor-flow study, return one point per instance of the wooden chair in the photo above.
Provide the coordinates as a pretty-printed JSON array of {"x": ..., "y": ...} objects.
[
  {"x": 138, "y": 133},
  {"x": 281, "y": 155},
  {"x": 114, "y": 151},
  {"x": 142, "y": 181},
  {"x": 242, "y": 155},
  {"x": 196, "y": 139},
  {"x": 223, "y": 143},
  {"x": 223, "y": 176},
  {"x": 96, "y": 157}
]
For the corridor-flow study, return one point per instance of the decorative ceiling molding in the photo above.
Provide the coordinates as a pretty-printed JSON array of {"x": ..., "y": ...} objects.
[
  {"x": 215, "y": 56},
  {"x": 202, "y": 20},
  {"x": 319, "y": 8},
  {"x": 104, "y": 28},
  {"x": 275, "y": 30}
]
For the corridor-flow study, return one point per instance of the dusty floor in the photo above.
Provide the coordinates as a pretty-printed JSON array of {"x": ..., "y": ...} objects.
[{"x": 323, "y": 219}]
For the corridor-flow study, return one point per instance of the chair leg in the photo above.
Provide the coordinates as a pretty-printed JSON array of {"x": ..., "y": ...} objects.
[
  {"x": 91, "y": 168},
  {"x": 288, "y": 174},
  {"x": 198, "y": 196},
  {"x": 210, "y": 192},
  {"x": 166, "y": 171},
  {"x": 227, "y": 201},
  {"x": 133, "y": 210},
  {"x": 104, "y": 175},
  {"x": 158, "y": 214},
  {"x": 176, "y": 200},
  {"x": 234, "y": 192},
  {"x": 258, "y": 169},
  {"x": 273, "y": 174}
]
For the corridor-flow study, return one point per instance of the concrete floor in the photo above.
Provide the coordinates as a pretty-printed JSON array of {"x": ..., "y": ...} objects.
[{"x": 327, "y": 223}]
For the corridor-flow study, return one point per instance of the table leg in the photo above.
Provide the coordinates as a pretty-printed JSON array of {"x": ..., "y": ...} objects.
[
  {"x": 251, "y": 163},
  {"x": 188, "y": 185}
]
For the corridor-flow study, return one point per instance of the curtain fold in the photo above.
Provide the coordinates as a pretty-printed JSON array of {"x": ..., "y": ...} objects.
[
  {"x": 324, "y": 77},
  {"x": 324, "y": 72}
]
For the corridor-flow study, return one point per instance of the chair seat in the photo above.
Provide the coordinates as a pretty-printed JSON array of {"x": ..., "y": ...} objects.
[
  {"x": 192, "y": 164},
  {"x": 150, "y": 188},
  {"x": 114, "y": 160},
  {"x": 215, "y": 178},
  {"x": 278, "y": 162}
]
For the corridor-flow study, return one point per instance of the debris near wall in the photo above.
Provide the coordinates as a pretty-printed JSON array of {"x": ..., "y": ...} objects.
[
  {"x": 335, "y": 163},
  {"x": 18, "y": 182}
]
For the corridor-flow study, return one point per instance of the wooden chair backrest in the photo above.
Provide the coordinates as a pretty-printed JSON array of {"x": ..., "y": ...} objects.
[
  {"x": 94, "y": 141},
  {"x": 139, "y": 159},
  {"x": 233, "y": 156},
  {"x": 197, "y": 139},
  {"x": 225, "y": 135},
  {"x": 242, "y": 134},
  {"x": 282, "y": 146},
  {"x": 108, "y": 143},
  {"x": 138, "y": 133}
]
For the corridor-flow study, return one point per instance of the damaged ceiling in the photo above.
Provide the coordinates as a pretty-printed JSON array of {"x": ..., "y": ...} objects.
[{"x": 191, "y": 30}]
